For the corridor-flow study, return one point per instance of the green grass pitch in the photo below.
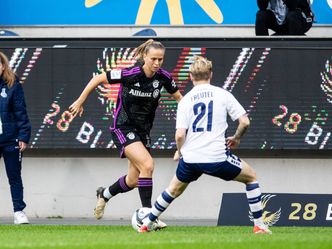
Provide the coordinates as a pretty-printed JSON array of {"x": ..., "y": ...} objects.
[{"x": 182, "y": 237}]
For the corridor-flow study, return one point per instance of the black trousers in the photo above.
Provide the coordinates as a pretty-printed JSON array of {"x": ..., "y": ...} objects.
[
  {"x": 295, "y": 23},
  {"x": 13, "y": 164}
]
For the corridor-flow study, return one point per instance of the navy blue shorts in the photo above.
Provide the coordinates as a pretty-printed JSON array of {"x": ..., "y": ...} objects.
[{"x": 226, "y": 170}]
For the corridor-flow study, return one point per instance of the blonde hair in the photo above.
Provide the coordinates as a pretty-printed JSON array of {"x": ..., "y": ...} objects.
[
  {"x": 7, "y": 75},
  {"x": 201, "y": 68},
  {"x": 146, "y": 46}
]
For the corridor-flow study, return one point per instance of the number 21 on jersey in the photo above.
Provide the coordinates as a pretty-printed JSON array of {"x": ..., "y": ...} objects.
[{"x": 200, "y": 112}]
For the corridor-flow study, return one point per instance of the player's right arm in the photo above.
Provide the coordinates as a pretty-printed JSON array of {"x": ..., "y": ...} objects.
[
  {"x": 234, "y": 141},
  {"x": 77, "y": 106},
  {"x": 236, "y": 112}
]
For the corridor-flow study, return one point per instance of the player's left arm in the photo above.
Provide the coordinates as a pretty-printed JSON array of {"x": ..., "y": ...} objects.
[
  {"x": 172, "y": 88},
  {"x": 180, "y": 138},
  {"x": 177, "y": 96}
]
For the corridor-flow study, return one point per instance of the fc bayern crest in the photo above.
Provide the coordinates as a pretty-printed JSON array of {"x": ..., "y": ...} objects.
[
  {"x": 155, "y": 83},
  {"x": 131, "y": 135}
]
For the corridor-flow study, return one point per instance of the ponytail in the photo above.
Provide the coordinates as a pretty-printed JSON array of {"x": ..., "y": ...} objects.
[{"x": 145, "y": 47}]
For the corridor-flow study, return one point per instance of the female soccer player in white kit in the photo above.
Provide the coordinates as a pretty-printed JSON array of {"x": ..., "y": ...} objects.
[{"x": 202, "y": 147}]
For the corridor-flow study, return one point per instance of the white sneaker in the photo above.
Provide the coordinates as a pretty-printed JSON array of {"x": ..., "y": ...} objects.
[
  {"x": 160, "y": 224},
  {"x": 150, "y": 226},
  {"x": 101, "y": 203},
  {"x": 20, "y": 218}
]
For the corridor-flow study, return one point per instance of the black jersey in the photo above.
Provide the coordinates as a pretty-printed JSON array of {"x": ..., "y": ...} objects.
[{"x": 139, "y": 96}]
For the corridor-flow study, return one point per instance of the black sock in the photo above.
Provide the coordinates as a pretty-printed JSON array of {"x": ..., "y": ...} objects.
[
  {"x": 145, "y": 191},
  {"x": 119, "y": 186}
]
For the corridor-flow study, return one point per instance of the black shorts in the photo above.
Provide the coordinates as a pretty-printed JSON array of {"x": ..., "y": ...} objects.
[{"x": 123, "y": 136}]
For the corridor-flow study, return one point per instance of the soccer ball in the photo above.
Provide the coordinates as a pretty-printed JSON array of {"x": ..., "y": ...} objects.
[{"x": 138, "y": 217}]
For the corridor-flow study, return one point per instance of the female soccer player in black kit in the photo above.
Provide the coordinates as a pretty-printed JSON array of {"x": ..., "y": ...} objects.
[{"x": 137, "y": 103}]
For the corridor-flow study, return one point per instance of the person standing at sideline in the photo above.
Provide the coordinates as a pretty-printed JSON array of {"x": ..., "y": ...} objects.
[
  {"x": 202, "y": 147},
  {"x": 138, "y": 100},
  {"x": 285, "y": 17},
  {"x": 15, "y": 131}
]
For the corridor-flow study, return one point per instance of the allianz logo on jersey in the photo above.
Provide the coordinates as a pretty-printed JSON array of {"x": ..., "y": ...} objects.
[{"x": 139, "y": 93}]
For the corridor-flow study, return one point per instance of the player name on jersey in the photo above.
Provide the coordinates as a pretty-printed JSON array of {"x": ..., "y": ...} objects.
[{"x": 202, "y": 95}]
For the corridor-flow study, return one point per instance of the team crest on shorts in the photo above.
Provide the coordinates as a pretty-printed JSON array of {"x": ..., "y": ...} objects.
[
  {"x": 155, "y": 83},
  {"x": 131, "y": 135},
  {"x": 156, "y": 93}
]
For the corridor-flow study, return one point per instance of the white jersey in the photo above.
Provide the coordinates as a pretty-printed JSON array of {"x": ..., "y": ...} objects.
[{"x": 203, "y": 112}]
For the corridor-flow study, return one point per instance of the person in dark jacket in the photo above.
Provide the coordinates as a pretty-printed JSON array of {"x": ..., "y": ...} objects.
[
  {"x": 15, "y": 130},
  {"x": 284, "y": 17}
]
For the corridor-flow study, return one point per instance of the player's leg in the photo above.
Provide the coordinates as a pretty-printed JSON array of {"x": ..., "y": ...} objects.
[
  {"x": 141, "y": 159},
  {"x": 174, "y": 190},
  {"x": 253, "y": 192},
  {"x": 119, "y": 186},
  {"x": 123, "y": 138},
  {"x": 185, "y": 174},
  {"x": 123, "y": 184},
  {"x": 140, "y": 171}
]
